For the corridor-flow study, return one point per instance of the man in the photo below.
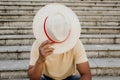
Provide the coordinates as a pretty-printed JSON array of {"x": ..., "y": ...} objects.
[{"x": 57, "y": 51}]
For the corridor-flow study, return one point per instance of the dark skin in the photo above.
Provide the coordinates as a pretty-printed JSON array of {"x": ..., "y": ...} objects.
[{"x": 45, "y": 50}]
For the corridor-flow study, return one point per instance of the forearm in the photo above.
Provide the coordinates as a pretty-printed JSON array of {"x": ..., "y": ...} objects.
[
  {"x": 36, "y": 72},
  {"x": 86, "y": 77}
]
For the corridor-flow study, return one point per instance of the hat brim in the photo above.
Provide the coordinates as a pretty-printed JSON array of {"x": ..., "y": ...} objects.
[{"x": 38, "y": 28}]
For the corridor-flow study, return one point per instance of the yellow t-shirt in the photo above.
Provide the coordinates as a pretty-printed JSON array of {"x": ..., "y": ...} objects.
[{"x": 60, "y": 66}]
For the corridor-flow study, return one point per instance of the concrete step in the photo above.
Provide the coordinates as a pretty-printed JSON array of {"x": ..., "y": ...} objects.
[
  {"x": 14, "y": 52},
  {"x": 80, "y": 18},
  {"x": 16, "y": 24},
  {"x": 110, "y": 1},
  {"x": 105, "y": 66},
  {"x": 99, "y": 67},
  {"x": 17, "y": 79},
  {"x": 79, "y": 13},
  {"x": 102, "y": 50},
  {"x": 106, "y": 78},
  {"x": 93, "y": 78},
  {"x": 16, "y": 30},
  {"x": 100, "y": 39},
  {"x": 11, "y": 40},
  {"x": 114, "y": 4},
  {"x": 76, "y": 8},
  {"x": 95, "y": 8},
  {"x": 85, "y": 30},
  {"x": 28, "y": 24},
  {"x": 22, "y": 52},
  {"x": 69, "y": 1},
  {"x": 100, "y": 30},
  {"x": 98, "y": 23},
  {"x": 96, "y": 36},
  {"x": 12, "y": 69},
  {"x": 73, "y": 7}
]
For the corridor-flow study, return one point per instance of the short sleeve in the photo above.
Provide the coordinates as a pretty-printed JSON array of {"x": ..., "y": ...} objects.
[
  {"x": 34, "y": 53},
  {"x": 79, "y": 53}
]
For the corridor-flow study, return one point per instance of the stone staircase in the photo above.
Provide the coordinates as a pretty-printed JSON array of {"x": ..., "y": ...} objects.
[{"x": 100, "y": 21}]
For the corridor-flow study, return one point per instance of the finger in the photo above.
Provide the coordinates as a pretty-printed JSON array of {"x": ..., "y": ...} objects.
[
  {"x": 45, "y": 54},
  {"x": 44, "y": 43},
  {"x": 47, "y": 45},
  {"x": 48, "y": 50},
  {"x": 49, "y": 53}
]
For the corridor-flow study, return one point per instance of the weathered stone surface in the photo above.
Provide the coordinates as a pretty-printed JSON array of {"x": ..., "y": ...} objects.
[
  {"x": 22, "y": 52},
  {"x": 92, "y": 54},
  {"x": 102, "y": 47},
  {"x": 15, "y": 48},
  {"x": 101, "y": 65},
  {"x": 13, "y": 75},
  {"x": 13, "y": 65},
  {"x": 92, "y": 41},
  {"x": 85, "y": 30},
  {"x": 106, "y": 78},
  {"x": 12, "y": 40},
  {"x": 23, "y": 55},
  {"x": 100, "y": 21},
  {"x": 20, "y": 42},
  {"x": 6, "y": 55}
]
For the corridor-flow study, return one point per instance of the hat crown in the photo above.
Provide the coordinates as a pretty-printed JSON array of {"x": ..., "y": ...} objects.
[{"x": 57, "y": 27}]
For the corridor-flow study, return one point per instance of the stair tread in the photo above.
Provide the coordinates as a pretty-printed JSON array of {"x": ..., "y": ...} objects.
[
  {"x": 83, "y": 27},
  {"x": 87, "y": 47},
  {"x": 82, "y": 36},
  {"x": 93, "y": 78},
  {"x": 101, "y": 27},
  {"x": 102, "y": 47},
  {"x": 81, "y": 19},
  {"x": 100, "y": 36},
  {"x": 94, "y": 63},
  {"x": 15, "y": 65},
  {"x": 106, "y": 78},
  {"x": 18, "y": 28},
  {"x": 105, "y": 62},
  {"x": 77, "y": 12},
  {"x": 73, "y": 8},
  {"x": 65, "y": 3},
  {"x": 14, "y": 48},
  {"x": 68, "y": 1},
  {"x": 16, "y": 36}
]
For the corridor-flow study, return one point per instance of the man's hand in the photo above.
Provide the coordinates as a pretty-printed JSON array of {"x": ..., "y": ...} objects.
[
  {"x": 45, "y": 50},
  {"x": 35, "y": 72}
]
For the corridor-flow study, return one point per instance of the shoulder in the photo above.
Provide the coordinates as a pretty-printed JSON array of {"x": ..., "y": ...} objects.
[
  {"x": 78, "y": 45},
  {"x": 35, "y": 46},
  {"x": 79, "y": 48},
  {"x": 34, "y": 53}
]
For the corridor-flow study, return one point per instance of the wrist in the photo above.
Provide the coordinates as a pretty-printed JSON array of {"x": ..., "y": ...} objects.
[{"x": 40, "y": 60}]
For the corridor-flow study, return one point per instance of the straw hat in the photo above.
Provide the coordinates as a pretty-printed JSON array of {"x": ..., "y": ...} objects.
[{"x": 59, "y": 24}]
